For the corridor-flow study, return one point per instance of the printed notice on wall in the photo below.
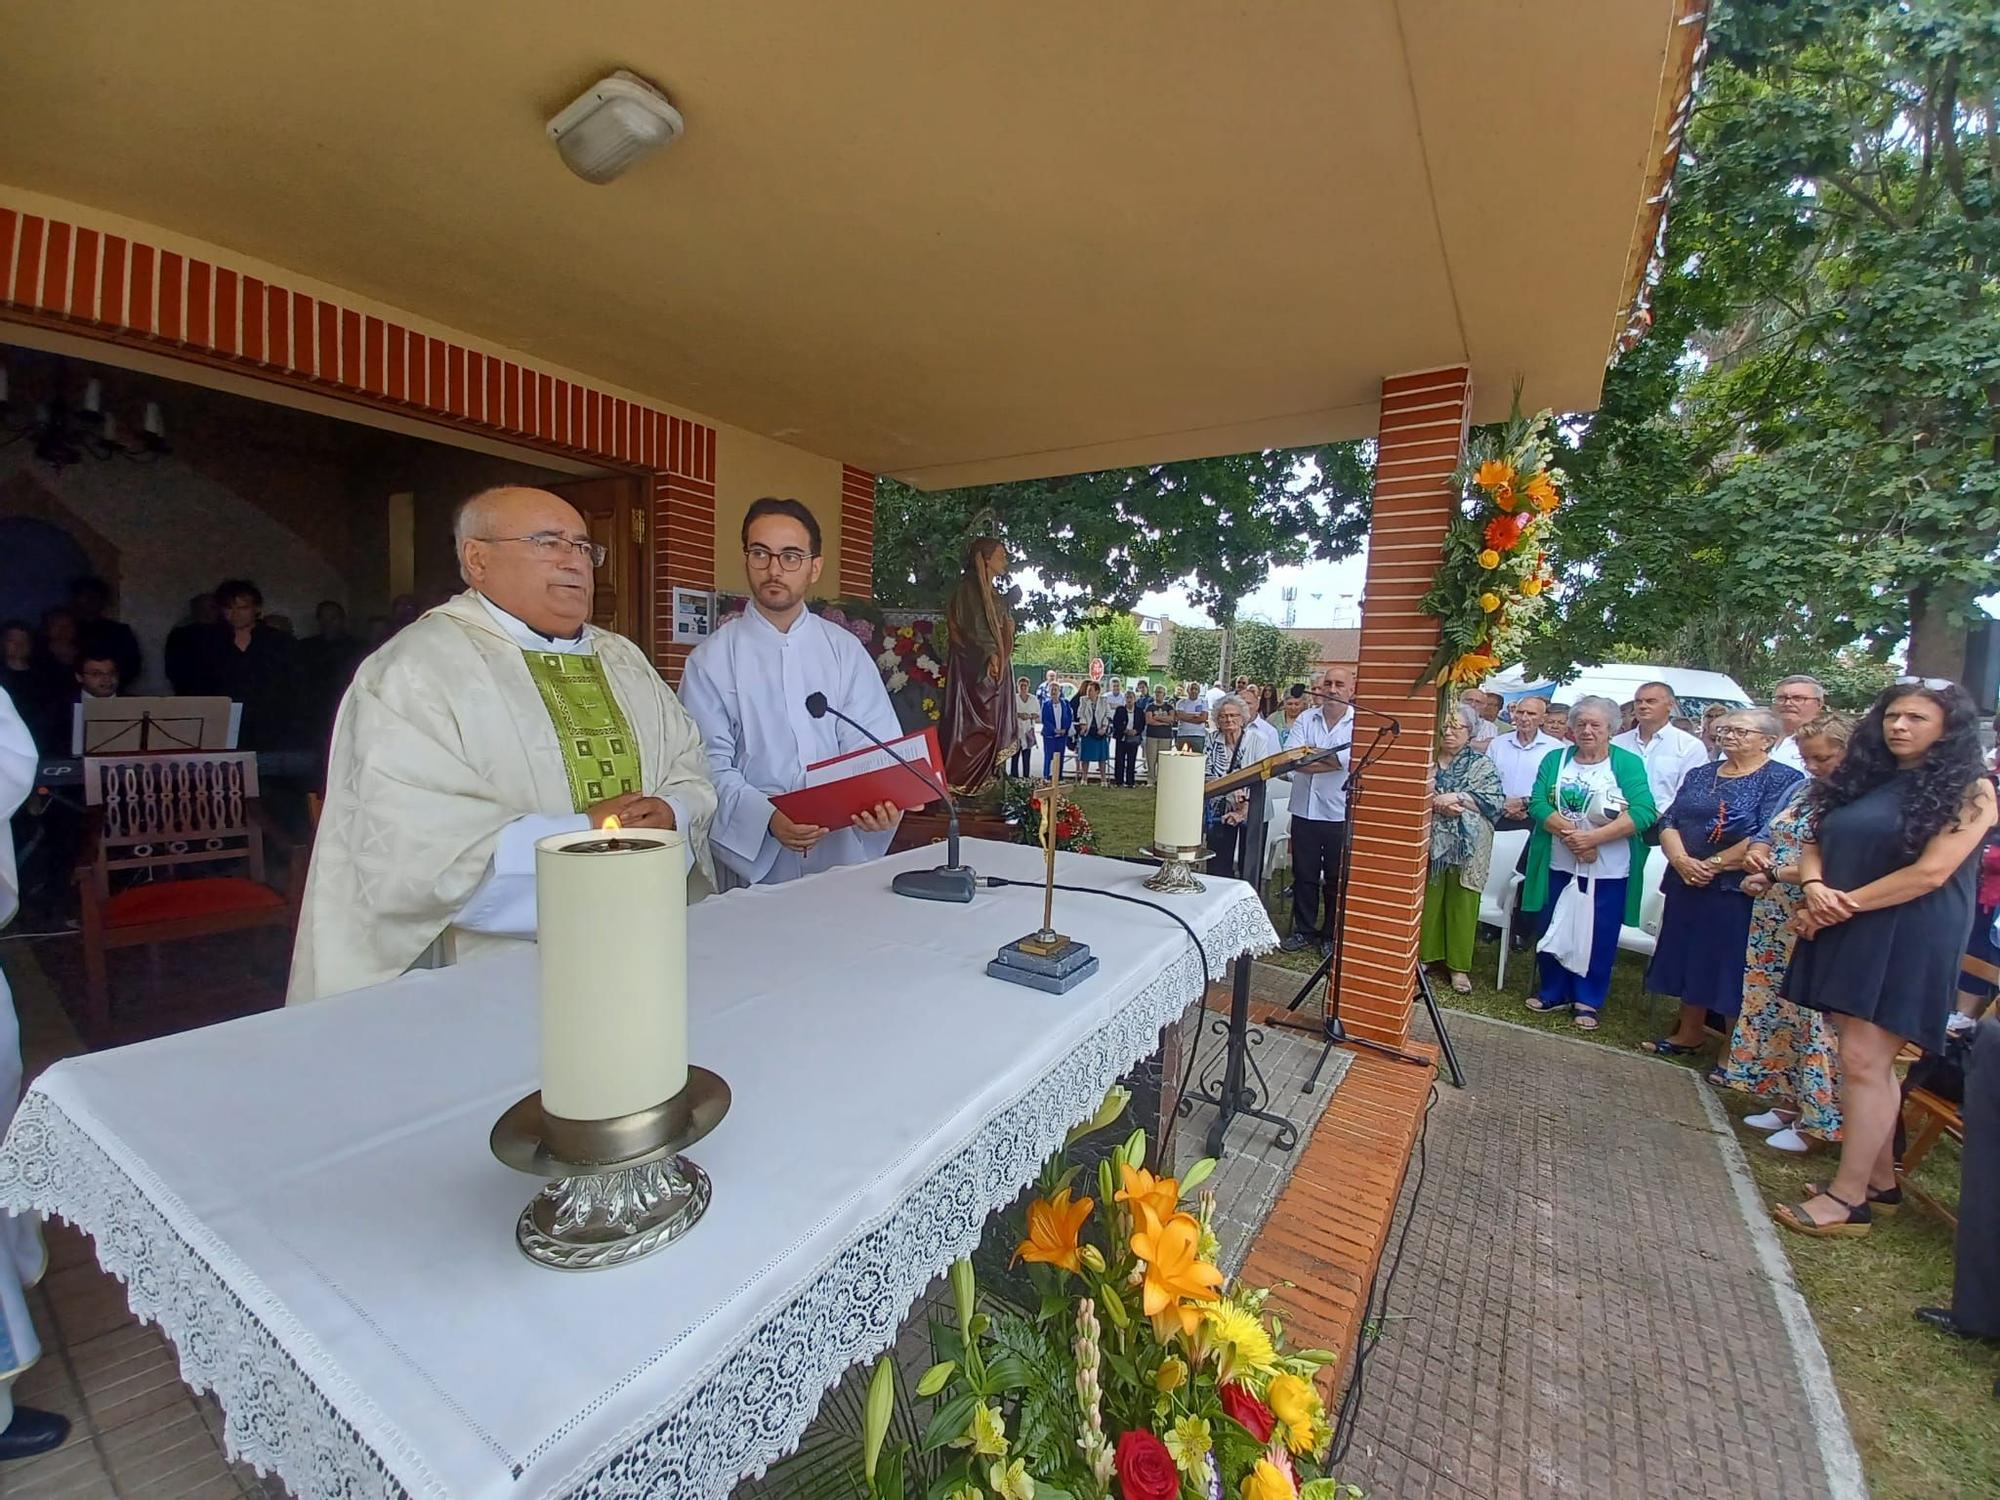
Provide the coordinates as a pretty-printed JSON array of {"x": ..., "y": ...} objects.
[{"x": 694, "y": 612}]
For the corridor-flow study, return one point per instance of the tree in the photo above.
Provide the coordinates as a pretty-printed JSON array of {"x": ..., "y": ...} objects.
[
  {"x": 1100, "y": 541},
  {"x": 1802, "y": 456},
  {"x": 1264, "y": 654},
  {"x": 1118, "y": 640}
]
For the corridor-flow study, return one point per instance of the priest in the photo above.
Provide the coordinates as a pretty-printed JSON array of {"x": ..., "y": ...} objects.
[
  {"x": 24, "y": 1430},
  {"x": 747, "y": 686},
  {"x": 499, "y": 718}
]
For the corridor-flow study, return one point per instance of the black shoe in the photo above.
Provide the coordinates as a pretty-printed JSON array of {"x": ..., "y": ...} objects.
[
  {"x": 33, "y": 1431},
  {"x": 1941, "y": 1319},
  {"x": 1325, "y": 948},
  {"x": 1296, "y": 942}
]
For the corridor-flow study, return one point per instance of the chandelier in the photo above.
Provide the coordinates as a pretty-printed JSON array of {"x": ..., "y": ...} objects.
[{"x": 66, "y": 432}]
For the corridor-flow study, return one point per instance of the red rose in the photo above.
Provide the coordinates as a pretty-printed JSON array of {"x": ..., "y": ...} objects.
[
  {"x": 1248, "y": 1412},
  {"x": 1145, "y": 1469}
]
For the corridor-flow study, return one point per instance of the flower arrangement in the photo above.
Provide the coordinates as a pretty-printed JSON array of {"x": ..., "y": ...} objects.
[
  {"x": 1021, "y": 805},
  {"x": 909, "y": 657},
  {"x": 1127, "y": 1367},
  {"x": 912, "y": 655},
  {"x": 1495, "y": 565}
]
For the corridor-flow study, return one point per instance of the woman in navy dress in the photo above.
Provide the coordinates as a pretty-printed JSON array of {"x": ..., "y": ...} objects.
[
  {"x": 1888, "y": 876},
  {"x": 1717, "y": 813},
  {"x": 1058, "y": 723}
]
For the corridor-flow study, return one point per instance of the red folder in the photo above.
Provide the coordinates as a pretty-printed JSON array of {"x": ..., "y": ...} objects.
[{"x": 832, "y": 803}]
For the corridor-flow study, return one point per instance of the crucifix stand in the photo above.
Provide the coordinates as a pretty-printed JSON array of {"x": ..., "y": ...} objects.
[{"x": 1046, "y": 959}]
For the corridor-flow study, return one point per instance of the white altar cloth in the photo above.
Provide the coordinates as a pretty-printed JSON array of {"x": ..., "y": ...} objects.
[{"x": 305, "y": 1201}]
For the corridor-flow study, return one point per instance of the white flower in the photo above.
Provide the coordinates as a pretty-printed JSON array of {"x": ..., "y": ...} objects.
[
  {"x": 886, "y": 660},
  {"x": 897, "y": 682},
  {"x": 927, "y": 664}
]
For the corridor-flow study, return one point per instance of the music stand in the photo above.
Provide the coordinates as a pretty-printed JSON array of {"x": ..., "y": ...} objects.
[{"x": 152, "y": 726}]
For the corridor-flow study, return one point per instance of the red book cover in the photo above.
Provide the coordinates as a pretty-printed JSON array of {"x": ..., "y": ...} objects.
[{"x": 837, "y": 789}]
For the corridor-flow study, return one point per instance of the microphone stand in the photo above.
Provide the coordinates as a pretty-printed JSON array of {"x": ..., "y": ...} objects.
[{"x": 950, "y": 881}]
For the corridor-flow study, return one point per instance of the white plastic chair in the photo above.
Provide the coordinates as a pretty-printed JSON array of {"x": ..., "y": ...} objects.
[
  {"x": 1496, "y": 901},
  {"x": 1652, "y": 907}
]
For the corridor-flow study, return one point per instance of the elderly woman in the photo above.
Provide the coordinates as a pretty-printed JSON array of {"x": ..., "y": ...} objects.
[
  {"x": 1587, "y": 814},
  {"x": 1027, "y": 720},
  {"x": 1093, "y": 732},
  {"x": 1706, "y": 836},
  {"x": 1058, "y": 723},
  {"x": 1465, "y": 799},
  {"x": 1780, "y": 1051},
  {"x": 1236, "y": 743},
  {"x": 1888, "y": 872}
]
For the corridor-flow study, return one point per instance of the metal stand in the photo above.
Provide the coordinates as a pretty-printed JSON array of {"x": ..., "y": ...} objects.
[
  {"x": 1177, "y": 866},
  {"x": 1235, "y": 1093},
  {"x": 1335, "y": 1033},
  {"x": 615, "y": 1190}
]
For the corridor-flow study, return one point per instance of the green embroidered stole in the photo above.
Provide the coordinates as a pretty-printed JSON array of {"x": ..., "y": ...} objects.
[{"x": 599, "y": 753}]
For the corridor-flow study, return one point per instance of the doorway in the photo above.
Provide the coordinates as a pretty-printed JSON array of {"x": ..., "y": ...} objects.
[{"x": 614, "y": 510}]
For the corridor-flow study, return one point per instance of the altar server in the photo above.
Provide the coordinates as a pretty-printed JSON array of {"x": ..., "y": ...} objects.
[
  {"x": 747, "y": 686},
  {"x": 24, "y": 1431},
  {"x": 498, "y": 718}
]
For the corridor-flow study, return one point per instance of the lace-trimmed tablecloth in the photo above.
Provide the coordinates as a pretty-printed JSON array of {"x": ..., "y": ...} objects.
[{"x": 305, "y": 1202}]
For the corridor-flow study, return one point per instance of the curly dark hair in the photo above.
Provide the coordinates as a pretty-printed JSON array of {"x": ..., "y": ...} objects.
[{"x": 1935, "y": 797}]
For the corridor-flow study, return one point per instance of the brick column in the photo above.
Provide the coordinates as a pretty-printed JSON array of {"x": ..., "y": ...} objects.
[
  {"x": 683, "y": 533},
  {"x": 1421, "y": 431},
  {"x": 857, "y": 533}
]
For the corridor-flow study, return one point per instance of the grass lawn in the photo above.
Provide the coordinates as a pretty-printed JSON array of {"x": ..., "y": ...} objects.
[{"x": 1921, "y": 1405}]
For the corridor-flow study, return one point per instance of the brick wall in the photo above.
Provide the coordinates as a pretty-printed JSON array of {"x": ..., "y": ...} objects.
[
  {"x": 857, "y": 533},
  {"x": 1421, "y": 431}
]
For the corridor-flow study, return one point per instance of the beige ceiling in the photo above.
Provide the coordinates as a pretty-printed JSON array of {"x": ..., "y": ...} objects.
[{"x": 953, "y": 242}]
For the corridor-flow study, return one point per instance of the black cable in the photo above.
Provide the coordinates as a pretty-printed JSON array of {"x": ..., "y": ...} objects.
[
  {"x": 1207, "y": 979},
  {"x": 1371, "y": 1315}
]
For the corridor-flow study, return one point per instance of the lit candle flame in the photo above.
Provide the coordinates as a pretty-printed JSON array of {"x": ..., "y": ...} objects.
[{"x": 611, "y": 823}]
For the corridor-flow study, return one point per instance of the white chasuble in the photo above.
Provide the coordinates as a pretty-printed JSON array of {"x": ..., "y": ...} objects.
[
  {"x": 746, "y": 686},
  {"x": 21, "y": 1257},
  {"x": 444, "y": 771}
]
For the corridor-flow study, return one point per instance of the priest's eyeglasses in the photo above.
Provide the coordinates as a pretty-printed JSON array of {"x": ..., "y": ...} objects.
[
  {"x": 790, "y": 560},
  {"x": 550, "y": 545}
]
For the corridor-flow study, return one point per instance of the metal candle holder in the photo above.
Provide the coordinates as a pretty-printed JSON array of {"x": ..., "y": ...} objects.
[
  {"x": 615, "y": 1190},
  {"x": 1178, "y": 862}
]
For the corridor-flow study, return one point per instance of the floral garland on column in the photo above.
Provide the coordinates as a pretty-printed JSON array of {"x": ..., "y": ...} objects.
[{"x": 1495, "y": 567}]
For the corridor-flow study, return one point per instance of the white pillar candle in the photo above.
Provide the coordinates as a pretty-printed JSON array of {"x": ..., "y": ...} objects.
[
  {"x": 612, "y": 925},
  {"x": 1177, "y": 800}
]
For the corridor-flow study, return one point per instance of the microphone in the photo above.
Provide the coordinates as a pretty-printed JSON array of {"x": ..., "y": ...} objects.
[{"x": 950, "y": 881}]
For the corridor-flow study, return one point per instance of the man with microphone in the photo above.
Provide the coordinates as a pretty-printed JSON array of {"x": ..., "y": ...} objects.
[{"x": 746, "y": 687}]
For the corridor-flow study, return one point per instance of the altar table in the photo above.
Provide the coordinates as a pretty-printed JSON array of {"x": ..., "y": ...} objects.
[{"x": 305, "y": 1201}]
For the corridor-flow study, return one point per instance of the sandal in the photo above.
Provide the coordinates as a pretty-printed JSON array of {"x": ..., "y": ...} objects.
[
  {"x": 1715, "y": 1078},
  {"x": 1795, "y": 1217},
  {"x": 1543, "y": 1007},
  {"x": 1882, "y": 1200},
  {"x": 1462, "y": 983},
  {"x": 1666, "y": 1046},
  {"x": 1585, "y": 1019}
]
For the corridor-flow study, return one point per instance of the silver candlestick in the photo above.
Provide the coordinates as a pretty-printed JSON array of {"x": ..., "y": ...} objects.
[
  {"x": 615, "y": 1190},
  {"x": 1178, "y": 862}
]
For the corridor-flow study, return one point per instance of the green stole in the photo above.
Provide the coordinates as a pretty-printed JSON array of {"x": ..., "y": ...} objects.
[{"x": 600, "y": 756}]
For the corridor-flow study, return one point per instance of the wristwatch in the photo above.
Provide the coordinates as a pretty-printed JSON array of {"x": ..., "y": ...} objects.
[{"x": 1715, "y": 861}]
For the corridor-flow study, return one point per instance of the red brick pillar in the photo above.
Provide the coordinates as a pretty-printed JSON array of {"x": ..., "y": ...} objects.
[
  {"x": 857, "y": 533},
  {"x": 1421, "y": 431},
  {"x": 683, "y": 533}
]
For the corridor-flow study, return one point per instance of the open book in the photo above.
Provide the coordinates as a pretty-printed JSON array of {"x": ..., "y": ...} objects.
[{"x": 837, "y": 789}]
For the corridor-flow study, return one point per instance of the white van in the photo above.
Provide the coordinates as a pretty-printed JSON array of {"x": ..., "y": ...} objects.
[{"x": 1619, "y": 680}]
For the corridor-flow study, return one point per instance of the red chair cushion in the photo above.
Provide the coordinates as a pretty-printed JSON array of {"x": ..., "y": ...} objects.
[{"x": 171, "y": 900}]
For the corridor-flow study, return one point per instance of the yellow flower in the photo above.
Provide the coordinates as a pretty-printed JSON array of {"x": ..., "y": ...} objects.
[
  {"x": 1011, "y": 1481},
  {"x": 1188, "y": 1444},
  {"x": 967, "y": 1492},
  {"x": 1542, "y": 491},
  {"x": 1161, "y": 1194},
  {"x": 987, "y": 1436},
  {"x": 1268, "y": 1482},
  {"x": 1472, "y": 667},
  {"x": 1489, "y": 559},
  {"x": 1295, "y": 1403},
  {"x": 1243, "y": 1332},
  {"x": 1170, "y": 1376},
  {"x": 1504, "y": 498},
  {"x": 1493, "y": 474},
  {"x": 1053, "y": 1226},
  {"x": 1531, "y": 586},
  {"x": 1173, "y": 1270},
  {"x": 1489, "y": 602}
]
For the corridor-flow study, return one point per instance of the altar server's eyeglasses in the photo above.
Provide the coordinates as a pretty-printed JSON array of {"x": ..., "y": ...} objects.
[
  {"x": 550, "y": 545},
  {"x": 1935, "y": 684},
  {"x": 790, "y": 560}
]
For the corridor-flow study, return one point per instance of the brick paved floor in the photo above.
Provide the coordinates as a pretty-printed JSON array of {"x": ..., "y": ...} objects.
[{"x": 1579, "y": 1310}]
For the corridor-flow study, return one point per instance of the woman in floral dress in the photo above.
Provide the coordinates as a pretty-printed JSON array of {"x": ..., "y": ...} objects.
[{"x": 1779, "y": 1051}]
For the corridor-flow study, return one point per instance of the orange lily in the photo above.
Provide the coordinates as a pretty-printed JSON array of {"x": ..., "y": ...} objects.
[
  {"x": 1174, "y": 1269},
  {"x": 1504, "y": 497},
  {"x": 1053, "y": 1226},
  {"x": 1493, "y": 474},
  {"x": 1542, "y": 491},
  {"x": 1143, "y": 1189}
]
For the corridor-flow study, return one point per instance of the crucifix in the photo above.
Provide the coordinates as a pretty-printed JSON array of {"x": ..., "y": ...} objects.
[{"x": 1046, "y": 959}]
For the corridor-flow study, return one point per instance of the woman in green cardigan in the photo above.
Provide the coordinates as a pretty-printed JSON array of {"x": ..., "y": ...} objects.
[{"x": 1590, "y": 805}]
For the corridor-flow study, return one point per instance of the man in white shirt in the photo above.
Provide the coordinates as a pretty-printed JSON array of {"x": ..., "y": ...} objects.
[
  {"x": 1487, "y": 706},
  {"x": 1191, "y": 719},
  {"x": 1669, "y": 752},
  {"x": 499, "y": 718},
  {"x": 1319, "y": 812},
  {"x": 1518, "y": 757},
  {"x": 747, "y": 686},
  {"x": 1797, "y": 701},
  {"x": 1048, "y": 686}
]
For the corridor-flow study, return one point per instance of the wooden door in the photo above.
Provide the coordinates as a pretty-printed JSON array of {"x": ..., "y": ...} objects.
[{"x": 615, "y": 511}]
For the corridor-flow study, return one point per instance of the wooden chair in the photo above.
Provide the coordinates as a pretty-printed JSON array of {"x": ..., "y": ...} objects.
[
  {"x": 1926, "y": 1116},
  {"x": 153, "y": 818}
]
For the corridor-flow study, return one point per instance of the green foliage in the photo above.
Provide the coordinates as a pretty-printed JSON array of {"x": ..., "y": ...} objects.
[
  {"x": 1117, "y": 638},
  {"x": 1102, "y": 540},
  {"x": 1195, "y": 654},
  {"x": 1262, "y": 652},
  {"x": 1807, "y": 439}
]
